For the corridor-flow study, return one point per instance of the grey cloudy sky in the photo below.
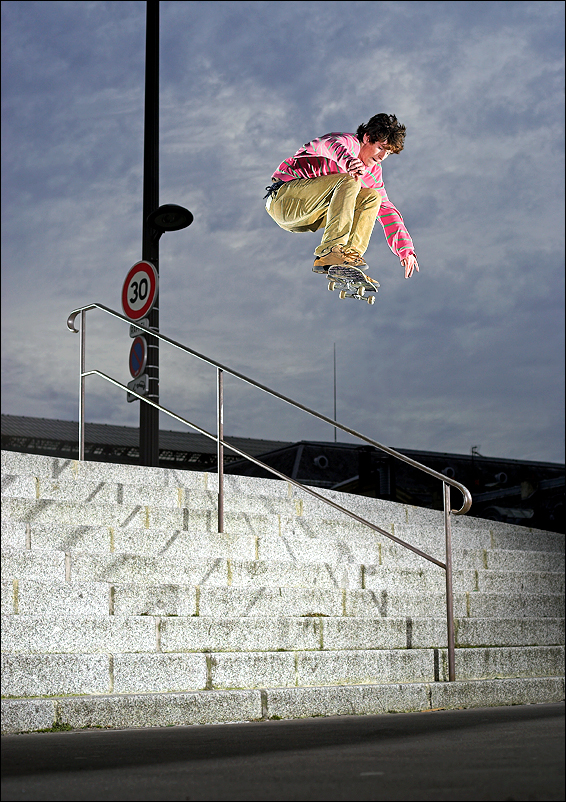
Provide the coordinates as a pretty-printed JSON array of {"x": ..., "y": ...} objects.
[{"x": 469, "y": 352}]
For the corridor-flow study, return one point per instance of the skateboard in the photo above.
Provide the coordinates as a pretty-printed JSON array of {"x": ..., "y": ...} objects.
[{"x": 352, "y": 283}]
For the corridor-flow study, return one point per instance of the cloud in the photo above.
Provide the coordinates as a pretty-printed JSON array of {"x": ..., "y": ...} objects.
[{"x": 456, "y": 356}]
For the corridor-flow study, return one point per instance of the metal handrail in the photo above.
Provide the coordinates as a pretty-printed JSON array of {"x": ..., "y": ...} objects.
[
  {"x": 465, "y": 492},
  {"x": 283, "y": 476},
  {"x": 221, "y": 443}
]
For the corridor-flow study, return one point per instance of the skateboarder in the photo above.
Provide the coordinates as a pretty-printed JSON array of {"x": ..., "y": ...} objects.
[{"x": 334, "y": 182}]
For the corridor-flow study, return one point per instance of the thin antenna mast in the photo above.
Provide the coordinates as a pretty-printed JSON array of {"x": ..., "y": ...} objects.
[{"x": 335, "y": 390}]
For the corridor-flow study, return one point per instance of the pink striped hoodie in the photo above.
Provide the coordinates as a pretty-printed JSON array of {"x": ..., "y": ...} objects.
[{"x": 329, "y": 154}]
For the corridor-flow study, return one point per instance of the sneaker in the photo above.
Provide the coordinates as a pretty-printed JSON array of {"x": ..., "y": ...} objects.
[
  {"x": 338, "y": 255},
  {"x": 354, "y": 258}
]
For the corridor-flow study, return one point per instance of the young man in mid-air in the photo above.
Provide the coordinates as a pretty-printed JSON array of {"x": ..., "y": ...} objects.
[{"x": 334, "y": 182}]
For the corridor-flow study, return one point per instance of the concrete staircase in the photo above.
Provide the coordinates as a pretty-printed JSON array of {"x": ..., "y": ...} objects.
[{"x": 123, "y": 606}]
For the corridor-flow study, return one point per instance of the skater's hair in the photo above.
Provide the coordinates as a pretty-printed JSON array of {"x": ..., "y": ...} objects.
[{"x": 384, "y": 127}]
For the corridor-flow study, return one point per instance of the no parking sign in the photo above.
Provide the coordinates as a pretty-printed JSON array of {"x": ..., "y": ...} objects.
[
  {"x": 139, "y": 292},
  {"x": 138, "y": 356}
]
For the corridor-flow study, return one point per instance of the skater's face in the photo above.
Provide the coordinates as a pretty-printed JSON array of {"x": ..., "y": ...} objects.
[{"x": 373, "y": 152}]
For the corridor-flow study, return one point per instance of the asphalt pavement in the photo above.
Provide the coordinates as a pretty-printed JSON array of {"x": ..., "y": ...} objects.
[{"x": 502, "y": 753}]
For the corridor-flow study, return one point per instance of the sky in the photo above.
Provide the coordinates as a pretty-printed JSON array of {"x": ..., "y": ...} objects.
[{"x": 468, "y": 353}]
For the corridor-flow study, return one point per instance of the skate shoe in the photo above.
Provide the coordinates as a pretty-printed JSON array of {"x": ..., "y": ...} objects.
[{"x": 338, "y": 255}]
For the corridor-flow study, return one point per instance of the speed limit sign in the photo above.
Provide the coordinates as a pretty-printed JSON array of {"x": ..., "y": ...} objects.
[{"x": 139, "y": 292}]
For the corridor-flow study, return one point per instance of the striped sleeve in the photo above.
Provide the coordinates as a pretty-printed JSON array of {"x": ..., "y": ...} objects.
[
  {"x": 323, "y": 156},
  {"x": 396, "y": 234},
  {"x": 394, "y": 228}
]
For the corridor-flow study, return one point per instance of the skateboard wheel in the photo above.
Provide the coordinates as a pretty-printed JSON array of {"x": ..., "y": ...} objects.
[
  {"x": 361, "y": 291},
  {"x": 342, "y": 293},
  {"x": 331, "y": 285},
  {"x": 371, "y": 299}
]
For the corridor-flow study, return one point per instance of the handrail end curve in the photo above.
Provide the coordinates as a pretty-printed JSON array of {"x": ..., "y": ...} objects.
[
  {"x": 71, "y": 322},
  {"x": 73, "y": 316},
  {"x": 467, "y": 502}
]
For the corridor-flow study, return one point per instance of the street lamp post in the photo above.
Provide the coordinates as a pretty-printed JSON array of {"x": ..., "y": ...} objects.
[
  {"x": 156, "y": 220},
  {"x": 149, "y": 416}
]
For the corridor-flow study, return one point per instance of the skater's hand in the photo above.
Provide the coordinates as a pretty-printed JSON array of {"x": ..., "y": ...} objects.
[
  {"x": 410, "y": 264},
  {"x": 355, "y": 167}
]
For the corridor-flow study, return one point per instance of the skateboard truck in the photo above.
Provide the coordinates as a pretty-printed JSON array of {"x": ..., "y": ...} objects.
[{"x": 351, "y": 283}]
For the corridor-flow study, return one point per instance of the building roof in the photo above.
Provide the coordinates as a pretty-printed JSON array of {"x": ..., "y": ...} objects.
[{"x": 105, "y": 434}]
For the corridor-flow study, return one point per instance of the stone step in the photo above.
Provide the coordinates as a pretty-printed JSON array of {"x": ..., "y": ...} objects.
[
  {"x": 477, "y": 632},
  {"x": 409, "y": 521},
  {"x": 267, "y": 536},
  {"x": 476, "y": 533},
  {"x": 48, "y": 478},
  {"x": 222, "y": 707},
  {"x": 286, "y": 532},
  {"x": 92, "y": 493},
  {"x": 135, "y": 516},
  {"x": 154, "y": 569},
  {"x": 73, "y": 633},
  {"x": 15, "y": 463},
  {"x": 54, "y": 598},
  {"x": 65, "y": 674},
  {"x": 207, "y": 543},
  {"x": 238, "y": 602},
  {"x": 202, "y": 538},
  {"x": 507, "y": 560}
]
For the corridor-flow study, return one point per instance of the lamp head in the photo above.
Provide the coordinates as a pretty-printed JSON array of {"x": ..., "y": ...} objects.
[{"x": 170, "y": 217}]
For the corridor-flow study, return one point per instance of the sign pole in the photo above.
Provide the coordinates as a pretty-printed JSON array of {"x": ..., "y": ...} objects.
[{"x": 149, "y": 416}]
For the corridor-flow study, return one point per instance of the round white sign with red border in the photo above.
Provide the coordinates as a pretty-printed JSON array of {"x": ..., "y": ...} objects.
[{"x": 139, "y": 292}]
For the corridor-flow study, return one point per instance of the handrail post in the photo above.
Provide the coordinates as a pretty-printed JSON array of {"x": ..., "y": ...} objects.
[
  {"x": 82, "y": 349},
  {"x": 220, "y": 450},
  {"x": 449, "y": 596}
]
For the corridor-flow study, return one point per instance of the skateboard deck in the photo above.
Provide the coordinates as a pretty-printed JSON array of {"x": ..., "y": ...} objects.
[{"x": 351, "y": 282}]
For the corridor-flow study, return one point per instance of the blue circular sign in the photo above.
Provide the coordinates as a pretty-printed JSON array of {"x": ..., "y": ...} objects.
[{"x": 138, "y": 356}]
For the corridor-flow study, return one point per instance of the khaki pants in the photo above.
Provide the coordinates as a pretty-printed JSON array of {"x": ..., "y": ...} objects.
[{"x": 337, "y": 202}]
